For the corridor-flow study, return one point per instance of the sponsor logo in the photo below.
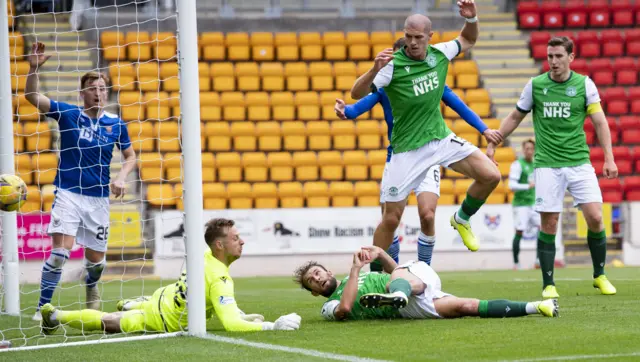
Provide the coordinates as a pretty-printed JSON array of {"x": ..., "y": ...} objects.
[
  {"x": 539, "y": 201},
  {"x": 492, "y": 221},
  {"x": 544, "y": 91},
  {"x": 431, "y": 60},
  {"x": 226, "y": 300},
  {"x": 571, "y": 92},
  {"x": 224, "y": 279},
  {"x": 408, "y": 69},
  {"x": 282, "y": 234},
  {"x": 393, "y": 191},
  {"x": 56, "y": 222}
]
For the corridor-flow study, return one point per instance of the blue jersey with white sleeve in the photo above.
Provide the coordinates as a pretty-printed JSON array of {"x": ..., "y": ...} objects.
[
  {"x": 86, "y": 148},
  {"x": 448, "y": 97}
]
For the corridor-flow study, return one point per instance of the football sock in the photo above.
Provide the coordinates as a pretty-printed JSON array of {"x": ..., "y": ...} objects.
[
  {"x": 51, "y": 273},
  {"x": 501, "y": 308},
  {"x": 400, "y": 285},
  {"x": 394, "y": 249},
  {"x": 85, "y": 320},
  {"x": 547, "y": 256},
  {"x": 94, "y": 272},
  {"x": 468, "y": 208},
  {"x": 516, "y": 248},
  {"x": 425, "y": 247},
  {"x": 598, "y": 247}
]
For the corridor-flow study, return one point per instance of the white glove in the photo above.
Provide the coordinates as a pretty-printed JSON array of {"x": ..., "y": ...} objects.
[
  {"x": 289, "y": 322},
  {"x": 255, "y": 318}
]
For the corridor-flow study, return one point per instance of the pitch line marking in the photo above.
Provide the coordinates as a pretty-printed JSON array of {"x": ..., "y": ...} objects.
[{"x": 578, "y": 357}]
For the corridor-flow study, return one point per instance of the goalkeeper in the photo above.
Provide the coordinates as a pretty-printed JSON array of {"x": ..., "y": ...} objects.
[
  {"x": 166, "y": 310},
  {"x": 412, "y": 291}
]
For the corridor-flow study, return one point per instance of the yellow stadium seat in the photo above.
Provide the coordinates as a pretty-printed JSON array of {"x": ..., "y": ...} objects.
[
  {"x": 208, "y": 167},
  {"x": 164, "y": 38},
  {"x": 382, "y": 37},
  {"x": 307, "y": 111},
  {"x": 240, "y": 195},
  {"x": 224, "y": 83},
  {"x": 467, "y": 81},
  {"x": 38, "y": 136},
  {"x": 245, "y": 69},
  {"x": 151, "y": 169},
  {"x": 319, "y": 135},
  {"x": 453, "y": 174},
  {"x": 233, "y": 106},
  {"x": 249, "y": 83},
  {"x": 328, "y": 98},
  {"x": 447, "y": 200},
  {"x": 466, "y": 67},
  {"x": 505, "y": 154},
  {"x": 142, "y": 143},
  {"x": 161, "y": 195},
  {"x": 329, "y": 113},
  {"x": 322, "y": 83},
  {"x": 306, "y": 166},
  {"x": 357, "y": 37},
  {"x": 238, "y": 52},
  {"x": 210, "y": 113},
  {"x": 123, "y": 68},
  {"x": 269, "y": 136},
  {"x": 377, "y": 160},
  {"x": 492, "y": 123},
  {"x": 123, "y": 83},
  {"x": 111, "y": 38},
  {"x": 236, "y": 38},
  {"x": 243, "y": 134},
  {"x": 344, "y": 68},
  {"x": 211, "y": 38},
  {"x": 265, "y": 195},
  {"x": 377, "y": 112},
  {"x": 215, "y": 196},
  {"x": 363, "y": 67},
  {"x": 298, "y": 83},
  {"x": 268, "y": 69},
  {"x": 333, "y": 38},
  {"x": 261, "y": 38},
  {"x": 258, "y": 106},
  {"x": 310, "y": 38},
  {"x": 286, "y": 38},
  {"x": 171, "y": 163},
  {"x": 461, "y": 186},
  {"x": 359, "y": 52},
  {"x": 283, "y": 106},
  {"x": 273, "y": 83},
  {"x": 339, "y": 52},
  {"x": 296, "y": 69},
  {"x": 214, "y": 53},
  {"x": 344, "y": 135},
  {"x": 342, "y": 194},
  {"x": 446, "y": 187},
  {"x": 317, "y": 194},
  {"x": 164, "y": 52},
  {"x": 368, "y": 135},
  {"x": 460, "y": 126},
  {"x": 312, "y": 52},
  {"x": 287, "y": 53},
  {"x": 320, "y": 69},
  {"x": 450, "y": 81},
  {"x": 262, "y": 53},
  {"x": 477, "y": 95},
  {"x": 377, "y": 48},
  {"x": 495, "y": 198},
  {"x": 290, "y": 194},
  {"x": 504, "y": 168},
  {"x": 356, "y": 165},
  {"x": 483, "y": 109},
  {"x": 330, "y": 163},
  {"x": 367, "y": 193},
  {"x": 294, "y": 134},
  {"x": 280, "y": 165},
  {"x": 345, "y": 82},
  {"x": 307, "y": 99},
  {"x": 229, "y": 167},
  {"x": 446, "y": 36},
  {"x": 167, "y": 136}
]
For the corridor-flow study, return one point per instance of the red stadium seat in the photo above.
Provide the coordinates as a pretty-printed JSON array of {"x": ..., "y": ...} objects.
[
  {"x": 580, "y": 66},
  {"x": 617, "y": 107},
  {"x": 635, "y": 106},
  {"x": 621, "y": 153},
  {"x": 588, "y": 125},
  {"x": 613, "y": 126},
  {"x": 602, "y": 78},
  {"x": 610, "y": 184},
  {"x": 613, "y": 49},
  {"x": 631, "y": 183},
  {"x": 586, "y": 36},
  {"x": 553, "y": 20},
  {"x": 576, "y": 19},
  {"x": 622, "y": 12},
  {"x": 601, "y": 64},
  {"x": 631, "y": 136},
  {"x": 632, "y": 34},
  {"x": 627, "y": 77},
  {"x": 632, "y": 196},
  {"x": 596, "y": 154},
  {"x": 549, "y": 6},
  {"x": 539, "y": 37},
  {"x": 614, "y": 137},
  {"x": 633, "y": 48},
  {"x": 613, "y": 197},
  {"x": 625, "y": 63},
  {"x": 529, "y": 21},
  {"x": 569, "y": 34},
  {"x": 545, "y": 67},
  {"x": 597, "y": 5},
  {"x": 589, "y": 50},
  {"x": 590, "y": 137},
  {"x": 539, "y": 51},
  {"x": 624, "y": 168},
  {"x": 636, "y": 154},
  {"x": 611, "y": 35},
  {"x": 634, "y": 92},
  {"x": 614, "y": 93},
  {"x": 597, "y": 166},
  {"x": 528, "y": 7},
  {"x": 630, "y": 122},
  {"x": 599, "y": 18}
]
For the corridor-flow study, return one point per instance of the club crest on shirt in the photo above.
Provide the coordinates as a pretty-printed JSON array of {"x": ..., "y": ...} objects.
[
  {"x": 545, "y": 91},
  {"x": 109, "y": 129},
  {"x": 407, "y": 68},
  {"x": 571, "y": 92},
  {"x": 431, "y": 60}
]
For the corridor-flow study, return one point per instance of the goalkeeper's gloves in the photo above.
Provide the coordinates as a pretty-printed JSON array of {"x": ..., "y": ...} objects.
[
  {"x": 255, "y": 318},
  {"x": 180, "y": 297},
  {"x": 289, "y": 322}
]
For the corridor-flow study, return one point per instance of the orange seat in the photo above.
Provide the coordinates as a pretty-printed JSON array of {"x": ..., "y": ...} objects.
[
  {"x": 306, "y": 166},
  {"x": 319, "y": 135},
  {"x": 240, "y": 195},
  {"x": 280, "y": 165},
  {"x": 367, "y": 193},
  {"x": 229, "y": 167},
  {"x": 290, "y": 195},
  {"x": 269, "y": 136},
  {"x": 330, "y": 163},
  {"x": 265, "y": 195},
  {"x": 317, "y": 194},
  {"x": 356, "y": 165},
  {"x": 343, "y": 133},
  {"x": 294, "y": 134},
  {"x": 342, "y": 194}
]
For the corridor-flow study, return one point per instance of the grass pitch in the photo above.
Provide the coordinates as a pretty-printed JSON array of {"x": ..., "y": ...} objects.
[{"x": 590, "y": 327}]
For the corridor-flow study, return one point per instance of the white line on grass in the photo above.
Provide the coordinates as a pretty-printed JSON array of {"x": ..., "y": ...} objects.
[
  {"x": 302, "y": 351},
  {"x": 578, "y": 357}
]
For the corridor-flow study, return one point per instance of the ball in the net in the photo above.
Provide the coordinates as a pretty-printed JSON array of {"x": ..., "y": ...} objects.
[{"x": 13, "y": 192}]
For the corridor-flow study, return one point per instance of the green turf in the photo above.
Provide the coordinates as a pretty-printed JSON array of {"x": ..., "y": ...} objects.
[{"x": 590, "y": 324}]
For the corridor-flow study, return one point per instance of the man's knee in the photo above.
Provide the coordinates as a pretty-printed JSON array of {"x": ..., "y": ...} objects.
[
  {"x": 594, "y": 221},
  {"x": 427, "y": 215},
  {"x": 392, "y": 215},
  {"x": 467, "y": 306},
  {"x": 549, "y": 222},
  {"x": 491, "y": 176}
]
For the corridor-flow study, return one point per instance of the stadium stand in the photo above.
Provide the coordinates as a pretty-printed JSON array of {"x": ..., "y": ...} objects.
[{"x": 608, "y": 55}]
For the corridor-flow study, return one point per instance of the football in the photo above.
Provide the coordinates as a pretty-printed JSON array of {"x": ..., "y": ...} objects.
[{"x": 13, "y": 192}]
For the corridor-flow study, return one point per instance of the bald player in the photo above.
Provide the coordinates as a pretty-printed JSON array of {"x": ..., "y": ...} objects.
[{"x": 414, "y": 78}]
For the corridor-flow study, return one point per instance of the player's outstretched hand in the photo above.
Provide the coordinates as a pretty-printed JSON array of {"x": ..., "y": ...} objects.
[
  {"x": 339, "y": 108},
  {"x": 360, "y": 259},
  {"x": 289, "y": 322},
  {"x": 255, "y": 318},
  {"x": 493, "y": 136},
  {"x": 37, "y": 56},
  {"x": 467, "y": 8},
  {"x": 372, "y": 253},
  {"x": 383, "y": 58},
  {"x": 118, "y": 188},
  {"x": 491, "y": 151},
  {"x": 610, "y": 170}
]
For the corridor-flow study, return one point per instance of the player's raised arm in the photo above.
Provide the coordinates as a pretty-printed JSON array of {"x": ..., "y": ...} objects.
[
  {"x": 353, "y": 111},
  {"x": 32, "y": 92},
  {"x": 362, "y": 86},
  {"x": 454, "y": 102},
  {"x": 470, "y": 30},
  {"x": 350, "y": 291}
]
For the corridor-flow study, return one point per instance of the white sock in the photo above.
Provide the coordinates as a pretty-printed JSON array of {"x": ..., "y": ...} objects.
[
  {"x": 399, "y": 293},
  {"x": 532, "y": 307},
  {"x": 459, "y": 220},
  {"x": 54, "y": 315}
]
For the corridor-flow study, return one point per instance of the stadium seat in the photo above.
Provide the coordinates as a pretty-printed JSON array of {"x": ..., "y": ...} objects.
[
  {"x": 589, "y": 50},
  {"x": 355, "y": 163},
  {"x": 167, "y": 136},
  {"x": 344, "y": 135},
  {"x": 367, "y": 193},
  {"x": 576, "y": 14},
  {"x": 269, "y": 136},
  {"x": 631, "y": 183},
  {"x": 255, "y": 166},
  {"x": 627, "y": 77},
  {"x": 218, "y": 136},
  {"x": 613, "y": 197},
  {"x": 529, "y": 21},
  {"x": 306, "y": 166},
  {"x": 229, "y": 166},
  {"x": 265, "y": 195},
  {"x": 342, "y": 194},
  {"x": 319, "y": 135},
  {"x": 138, "y": 46},
  {"x": 282, "y": 104},
  {"x": 624, "y": 167},
  {"x": 613, "y": 49},
  {"x": 316, "y": 194},
  {"x": 294, "y": 134},
  {"x": 307, "y": 104},
  {"x": 171, "y": 164},
  {"x": 625, "y": 63},
  {"x": 161, "y": 195},
  {"x": 368, "y": 132},
  {"x": 290, "y": 194},
  {"x": 311, "y": 46},
  {"x": 505, "y": 154},
  {"x": 599, "y": 18},
  {"x": 215, "y": 196},
  {"x": 38, "y": 136},
  {"x": 461, "y": 186},
  {"x": 553, "y": 20},
  {"x": 617, "y": 107},
  {"x": 240, "y": 195},
  {"x": 233, "y": 106},
  {"x": 330, "y": 163},
  {"x": 208, "y": 167},
  {"x": 631, "y": 136},
  {"x": 280, "y": 165},
  {"x": 377, "y": 161},
  {"x": 467, "y": 81},
  {"x": 258, "y": 108}
]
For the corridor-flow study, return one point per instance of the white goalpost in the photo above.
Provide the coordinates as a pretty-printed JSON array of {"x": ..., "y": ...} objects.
[{"x": 151, "y": 58}]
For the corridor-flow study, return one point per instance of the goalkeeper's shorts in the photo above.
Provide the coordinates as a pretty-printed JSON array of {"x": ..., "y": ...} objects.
[{"x": 146, "y": 319}]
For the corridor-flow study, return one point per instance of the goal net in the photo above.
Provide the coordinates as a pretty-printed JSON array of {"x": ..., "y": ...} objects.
[{"x": 134, "y": 47}]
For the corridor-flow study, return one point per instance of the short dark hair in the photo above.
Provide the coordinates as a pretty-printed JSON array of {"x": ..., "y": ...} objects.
[
  {"x": 563, "y": 41},
  {"x": 298, "y": 275},
  {"x": 400, "y": 43},
  {"x": 90, "y": 77},
  {"x": 529, "y": 140},
  {"x": 216, "y": 228}
]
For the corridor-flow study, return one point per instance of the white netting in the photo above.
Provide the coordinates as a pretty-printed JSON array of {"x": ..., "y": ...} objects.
[{"x": 135, "y": 45}]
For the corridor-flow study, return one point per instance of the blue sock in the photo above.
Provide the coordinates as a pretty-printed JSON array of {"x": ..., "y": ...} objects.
[
  {"x": 51, "y": 273},
  {"x": 94, "y": 272},
  {"x": 394, "y": 249},
  {"x": 425, "y": 247}
]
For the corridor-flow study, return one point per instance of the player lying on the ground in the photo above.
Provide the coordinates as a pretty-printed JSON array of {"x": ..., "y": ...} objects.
[
  {"x": 561, "y": 100},
  {"x": 166, "y": 310},
  {"x": 411, "y": 290},
  {"x": 428, "y": 191}
]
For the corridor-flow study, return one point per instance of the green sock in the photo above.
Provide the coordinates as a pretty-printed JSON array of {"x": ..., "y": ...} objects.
[
  {"x": 400, "y": 285},
  {"x": 469, "y": 207},
  {"x": 84, "y": 320},
  {"x": 598, "y": 247},
  {"x": 501, "y": 308},
  {"x": 547, "y": 256},
  {"x": 516, "y": 247},
  {"x": 375, "y": 266}
]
